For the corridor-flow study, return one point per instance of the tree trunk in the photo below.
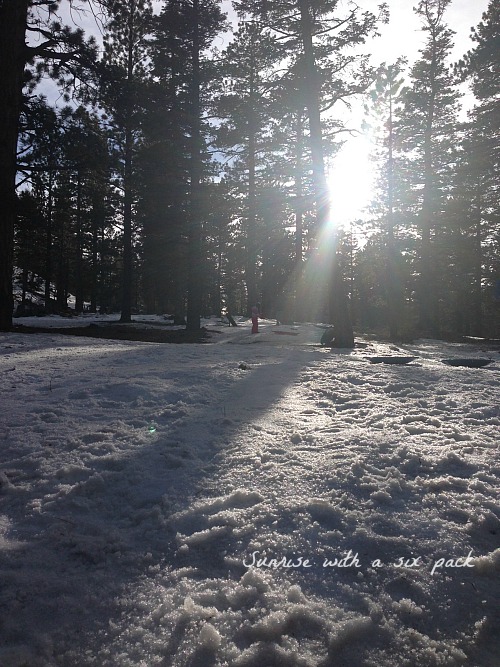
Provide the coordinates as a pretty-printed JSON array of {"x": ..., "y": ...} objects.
[
  {"x": 195, "y": 223},
  {"x": 478, "y": 269},
  {"x": 394, "y": 290},
  {"x": 98, "y": 221},
  {"x": 24, "y": 285},
  {"x": 126, "y": 309},
  {"x": 251, "y": 249},
  {"x": 338, "y": 308},
  {"x": 292, "y": 307},
  {"x": 218, "y": 298},
  {"x": 48, "y": 247},
  {"x": 79, "y": 249},
  {"x": 299, "y": 209},
  {"x": 13, "y": 15},
  {"x": 428, "y": 284}
]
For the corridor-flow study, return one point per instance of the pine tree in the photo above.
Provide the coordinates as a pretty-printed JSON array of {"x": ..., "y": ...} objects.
[
  {"x": 64, "y": 159},
  {"x": 244, "y": 135},
  {"x": 13, "y": 18},
  {"x": 426, "y": 142},
  {"x": 29, "y": 239},
  {"x": 178, "y": 136},
  {"x": 163, "y": 167},
  {"x": 316, "y": 37},
  {"x": 41, "y": 147},
  {"x": 125, "y": 45},
  {"x": 481, "y": 164},
  {"x": 383, "y": 105},
  {"x": 86, "y": 158},
  {"x": 57, "y": 47}
]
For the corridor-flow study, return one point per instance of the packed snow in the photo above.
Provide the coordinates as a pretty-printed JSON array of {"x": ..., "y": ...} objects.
[{"x": 257, "y": 501}]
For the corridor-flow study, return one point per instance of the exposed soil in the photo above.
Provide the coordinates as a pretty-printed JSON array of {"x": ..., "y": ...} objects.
[{"x": 124, "y": 332}]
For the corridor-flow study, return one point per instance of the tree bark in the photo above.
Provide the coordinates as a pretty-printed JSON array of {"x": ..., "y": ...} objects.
[{"x": 13, "y": 17}]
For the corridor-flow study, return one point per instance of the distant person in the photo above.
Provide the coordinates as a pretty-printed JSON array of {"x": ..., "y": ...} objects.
[{"x": 255, "y": 318}]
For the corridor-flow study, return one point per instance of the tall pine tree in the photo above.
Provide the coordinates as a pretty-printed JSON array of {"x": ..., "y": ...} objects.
[
  {"x": 481, "y": 167},
  {"x": 57, "y": 47},
  {"x": 125, "y": 44},
  {"x": 426, "y": 141}
]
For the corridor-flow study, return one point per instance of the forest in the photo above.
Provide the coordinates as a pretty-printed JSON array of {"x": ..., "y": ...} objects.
[{"x": 183, "y": 169}]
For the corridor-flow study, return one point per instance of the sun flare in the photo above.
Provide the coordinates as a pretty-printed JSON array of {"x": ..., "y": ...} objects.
[{"x": 351, "y": 182}]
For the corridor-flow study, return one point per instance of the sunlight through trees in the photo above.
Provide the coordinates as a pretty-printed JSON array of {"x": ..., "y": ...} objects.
[{"x": 186, "y": 169}]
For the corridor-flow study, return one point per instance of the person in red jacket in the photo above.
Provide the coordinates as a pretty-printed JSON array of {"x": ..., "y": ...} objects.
[{"x": 255, "y": 318}]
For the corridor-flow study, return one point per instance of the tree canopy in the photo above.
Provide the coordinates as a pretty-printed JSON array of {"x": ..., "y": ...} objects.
[{"x": 187, "y": 171}]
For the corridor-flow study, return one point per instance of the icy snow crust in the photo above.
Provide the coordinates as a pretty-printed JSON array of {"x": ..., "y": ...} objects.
[{"x": 246, "y": 505}]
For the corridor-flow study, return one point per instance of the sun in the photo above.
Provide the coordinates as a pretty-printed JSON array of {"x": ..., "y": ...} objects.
[{"x": 351, "y": 182}]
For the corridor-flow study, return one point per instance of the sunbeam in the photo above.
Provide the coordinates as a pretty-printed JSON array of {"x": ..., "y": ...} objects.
[{"x": 351, "y": 182}]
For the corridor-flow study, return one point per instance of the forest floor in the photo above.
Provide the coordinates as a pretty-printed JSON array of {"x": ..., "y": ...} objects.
[
  {"x": 145, "y": 330},
  {"x": 258, "y": 501}
]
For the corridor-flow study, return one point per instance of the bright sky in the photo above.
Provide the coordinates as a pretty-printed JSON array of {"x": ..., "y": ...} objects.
[{"x": 351, "y": 175}]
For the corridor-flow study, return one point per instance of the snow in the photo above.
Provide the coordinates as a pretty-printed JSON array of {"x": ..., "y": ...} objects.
[{"x": 256, "y": 502}]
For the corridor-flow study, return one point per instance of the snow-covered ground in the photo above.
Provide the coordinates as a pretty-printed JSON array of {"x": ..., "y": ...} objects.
[{"x": 256, "y": 502}]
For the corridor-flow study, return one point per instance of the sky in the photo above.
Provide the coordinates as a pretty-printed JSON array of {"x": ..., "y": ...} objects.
[
  {"x": 142, "y": 485},
  {"x": 403, "y": 37},
  {"x": 351, "y": 176}
]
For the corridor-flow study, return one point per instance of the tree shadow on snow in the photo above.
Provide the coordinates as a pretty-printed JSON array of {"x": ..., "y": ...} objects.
[{"x": 92, "y": 534}]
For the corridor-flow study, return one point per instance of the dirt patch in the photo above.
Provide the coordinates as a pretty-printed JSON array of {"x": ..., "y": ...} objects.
[{"x": 123, "y": 332}]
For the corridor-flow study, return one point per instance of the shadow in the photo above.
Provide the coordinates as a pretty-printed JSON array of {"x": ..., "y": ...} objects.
[
  {"x": 91, "y": 534},
  {"x": 137, "y": 540}
]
